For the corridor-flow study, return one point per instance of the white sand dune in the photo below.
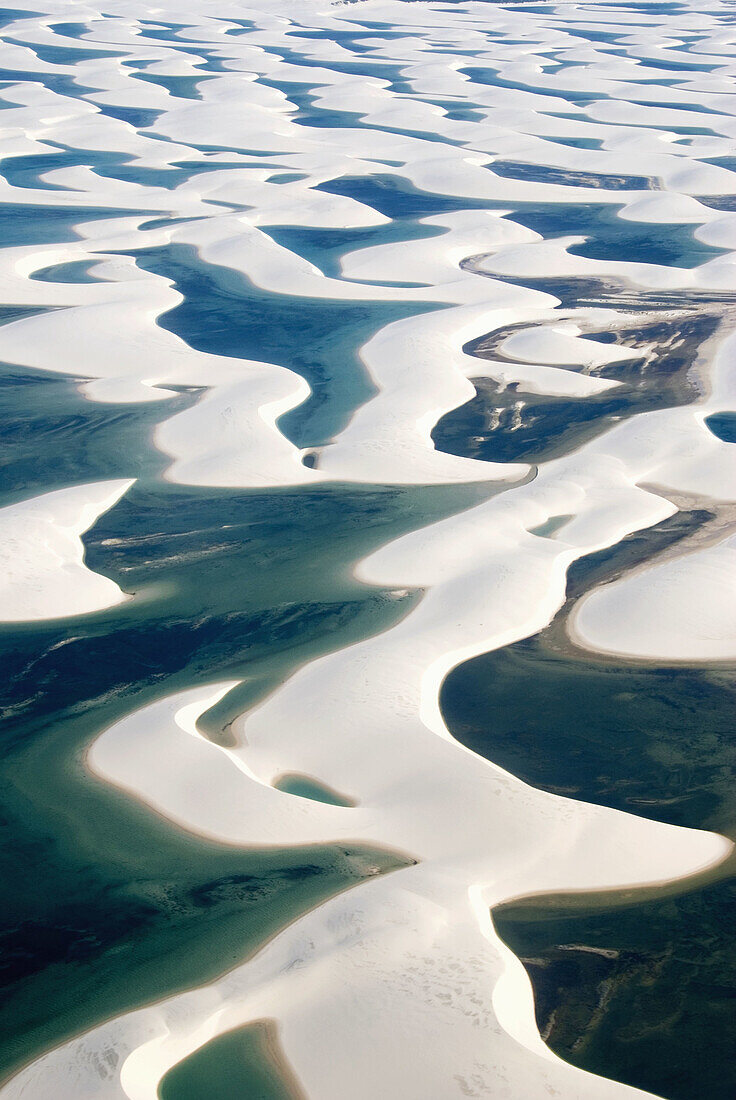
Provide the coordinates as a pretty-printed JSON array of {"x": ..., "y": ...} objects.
[
  {"x": 682, "y": 609},
  {"x": 418, "y": 948},
  {"x": 401, "y": 987},
  {"x": 42, "y": 569}
]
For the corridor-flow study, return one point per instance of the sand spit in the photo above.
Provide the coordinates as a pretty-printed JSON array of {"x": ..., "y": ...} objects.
[{"x": 43, "y": 574}]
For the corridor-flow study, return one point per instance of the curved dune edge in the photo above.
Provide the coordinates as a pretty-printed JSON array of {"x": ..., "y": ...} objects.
[
  {"x": 683, "y": 608},
  {"x": 378, "y": 933},
  {"x": 679, "y": 610},
  {"x": 389, "y": 440},
  {"x": 481, "y": 836},
  {"x": 42, "y": 569},
  {"x": 359, "y": 984}
]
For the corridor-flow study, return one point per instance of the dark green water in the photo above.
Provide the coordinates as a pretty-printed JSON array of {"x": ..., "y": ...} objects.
[
  {"x": 104, "y": 906},
  {"x": 642, "y": 994},
  {"x": 306, "y": 787},
  {"x": 240, "y": 1063},
  {"x": 655, "y": 741}
]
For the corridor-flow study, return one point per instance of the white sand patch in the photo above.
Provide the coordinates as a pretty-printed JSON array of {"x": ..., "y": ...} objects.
[
  {"x": 43, "y": 574},
  {"x": 415, "y": 951},
  {"x": 552, "y": 345},
  {"x": 230, "y": 437},
  {"x": 682, "y": 610}
]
